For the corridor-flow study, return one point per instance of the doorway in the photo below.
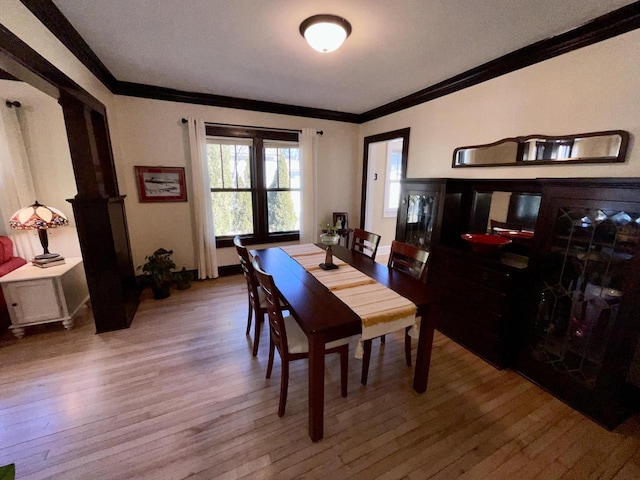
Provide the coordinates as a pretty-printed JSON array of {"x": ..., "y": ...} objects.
[{"x": 384, "y": 166}]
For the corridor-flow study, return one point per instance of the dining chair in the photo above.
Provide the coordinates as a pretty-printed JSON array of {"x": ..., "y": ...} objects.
[
  {"x": 257, "y": 303},
  {"x": 407, "y": 259},
  {"x": 365, "y": 242},
  {"x": 287, "y": 337}
]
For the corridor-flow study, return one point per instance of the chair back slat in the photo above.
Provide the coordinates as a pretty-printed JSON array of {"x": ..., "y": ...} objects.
[
  {"x": 409, "y": 259},
  {"x": 365, "y": 242},
  {"x": 248, "y": 272},
  {"x": 277, "y": 329}
]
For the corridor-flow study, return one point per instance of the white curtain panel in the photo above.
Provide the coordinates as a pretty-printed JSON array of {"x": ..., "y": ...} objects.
[
  {"x": 308, "y": 144},
  {"x": 16, "y": 183},
  {"x": 205, "y": 238}
]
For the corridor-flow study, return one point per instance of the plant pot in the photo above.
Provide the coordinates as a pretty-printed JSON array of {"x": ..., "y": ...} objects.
[
  {"x": 183, "y": 284},
  {"x": 160, "y": 292}
]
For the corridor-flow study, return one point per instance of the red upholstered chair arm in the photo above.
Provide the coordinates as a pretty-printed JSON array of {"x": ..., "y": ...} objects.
[{"x": 11, "y": 265}]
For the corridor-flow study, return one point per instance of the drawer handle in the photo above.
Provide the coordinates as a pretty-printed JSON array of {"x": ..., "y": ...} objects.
[{"x": 14, "y": 304}]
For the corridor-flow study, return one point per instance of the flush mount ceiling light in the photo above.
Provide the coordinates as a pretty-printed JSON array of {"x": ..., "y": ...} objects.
[{"x": 325, "y": 33}]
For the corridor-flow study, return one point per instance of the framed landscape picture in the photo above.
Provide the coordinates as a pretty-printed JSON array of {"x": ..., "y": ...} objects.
[{"x": 161, "y": 184}]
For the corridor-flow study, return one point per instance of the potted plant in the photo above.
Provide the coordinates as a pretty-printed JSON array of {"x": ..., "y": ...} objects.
[
  {"x": 158, "y": 271},
  {"x": 183, "y": 279}
]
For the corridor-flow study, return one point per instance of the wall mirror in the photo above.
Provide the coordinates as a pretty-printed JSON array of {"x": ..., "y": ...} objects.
[{"x": 596, "y": 147}]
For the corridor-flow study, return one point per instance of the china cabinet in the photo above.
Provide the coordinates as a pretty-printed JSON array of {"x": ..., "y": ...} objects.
[
  {"x": 579, "y": 338},
  {"x": 483, "y": 293},
  {"x": 560, "y": 302}
]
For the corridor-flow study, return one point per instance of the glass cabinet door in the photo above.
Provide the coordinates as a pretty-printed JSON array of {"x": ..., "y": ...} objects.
[
  {"x": 582, "y": 326},
  {"x": 420, "y": 215},
  {"x": 582, "y": 288}
]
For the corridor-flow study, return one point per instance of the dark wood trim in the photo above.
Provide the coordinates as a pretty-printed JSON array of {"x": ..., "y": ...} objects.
[
  {"x": 20, "y": 60},
  {"x": 52, "y": 18},
  {"x": 173, "y": 95},
  {"x": 7, "y": 76},
  {"x": 403, "y": 133},
  {"x": 602, "y": 28},
  {"x": 229, "y": 270},
  {"x": 607, "y": 26}
]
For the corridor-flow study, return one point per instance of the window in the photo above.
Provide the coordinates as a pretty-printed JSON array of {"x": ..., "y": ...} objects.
[
  {"x": 393, "y": 177},
  {"x": 255, "y": 184}
]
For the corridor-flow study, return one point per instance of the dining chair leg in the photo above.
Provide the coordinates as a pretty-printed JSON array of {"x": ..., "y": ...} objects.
[
  {"x": 407, "y": 346},
  {"x": 284, "y": 387},
  {"x": 249, "y": 319},
  {"x": 344, "y": 369},
  {"x": 256, "y": 333},
  {"x": 271, "y": 352},
  {"x": 365, "y": 361}
]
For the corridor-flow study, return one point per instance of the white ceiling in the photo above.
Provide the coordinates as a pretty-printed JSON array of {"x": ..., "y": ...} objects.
[{"x": 253, "y": 49}]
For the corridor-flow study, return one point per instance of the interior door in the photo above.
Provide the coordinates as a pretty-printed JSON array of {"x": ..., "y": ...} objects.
[{"x": 384, "y": 166}]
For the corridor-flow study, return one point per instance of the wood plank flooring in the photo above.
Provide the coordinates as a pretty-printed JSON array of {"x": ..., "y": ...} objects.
[{"x": 178, "y": 395}]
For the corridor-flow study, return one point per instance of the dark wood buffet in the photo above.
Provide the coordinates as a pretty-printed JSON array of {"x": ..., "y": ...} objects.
[{"x": 560, "y": 302}]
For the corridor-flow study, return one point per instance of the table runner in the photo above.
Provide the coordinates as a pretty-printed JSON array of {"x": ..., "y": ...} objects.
[{"x": 381, "y": 309}]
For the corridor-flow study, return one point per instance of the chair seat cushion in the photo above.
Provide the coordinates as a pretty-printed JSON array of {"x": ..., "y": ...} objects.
[{"x": 297, "y": 340}]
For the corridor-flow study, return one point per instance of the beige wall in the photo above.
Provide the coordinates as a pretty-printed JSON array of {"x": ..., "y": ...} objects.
[
  {"x": 592, "y": 89},
  {"x": 151, "y": 133}
]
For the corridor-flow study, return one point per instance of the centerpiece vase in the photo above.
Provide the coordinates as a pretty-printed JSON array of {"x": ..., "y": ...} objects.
[{"x": 329, "y": 239}]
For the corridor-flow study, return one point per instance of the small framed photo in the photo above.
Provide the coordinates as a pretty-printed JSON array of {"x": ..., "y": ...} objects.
[
  {"x": 161, "y": 184},
  {"x": 341, "y": 219}
]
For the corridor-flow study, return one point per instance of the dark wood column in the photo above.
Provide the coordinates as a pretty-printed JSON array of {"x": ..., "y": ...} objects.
[{"x": 100, "y": 217}]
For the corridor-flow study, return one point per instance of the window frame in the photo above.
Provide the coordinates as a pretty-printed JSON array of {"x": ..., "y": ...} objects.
[{"x": 258, "y": 187}]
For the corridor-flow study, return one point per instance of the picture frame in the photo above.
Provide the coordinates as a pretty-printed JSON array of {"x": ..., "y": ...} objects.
[
  {"x": 343, "y": 218},
  {"x": 161, "y": 184}
]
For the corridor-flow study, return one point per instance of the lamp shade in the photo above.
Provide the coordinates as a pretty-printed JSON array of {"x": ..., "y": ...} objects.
[
  {"x": 37, "y": 217},
  {"x": 325, "y": 33}
]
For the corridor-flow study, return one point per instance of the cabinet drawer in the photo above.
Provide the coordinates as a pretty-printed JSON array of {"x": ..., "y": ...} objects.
[
  {"x": 473, "y": 273},
  {"x": 459, "y": 327},
  {"x": 471, "y": 292}
]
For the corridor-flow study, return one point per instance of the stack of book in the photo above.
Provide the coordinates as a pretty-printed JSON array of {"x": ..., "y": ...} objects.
[{"x": 48, "y": 262}]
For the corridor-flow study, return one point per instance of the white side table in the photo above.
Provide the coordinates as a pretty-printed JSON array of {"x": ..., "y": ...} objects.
[{"x": 37, "y": 295}]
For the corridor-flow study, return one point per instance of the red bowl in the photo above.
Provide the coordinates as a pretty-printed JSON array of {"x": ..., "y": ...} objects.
[{"x": 485, "y": 243}]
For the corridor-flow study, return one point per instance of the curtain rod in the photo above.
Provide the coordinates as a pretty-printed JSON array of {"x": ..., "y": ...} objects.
[
  {"x": 15, "y": 103},
  {"x": 319, "y": 132}
]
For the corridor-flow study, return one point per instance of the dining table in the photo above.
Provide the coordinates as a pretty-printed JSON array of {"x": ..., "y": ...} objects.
[{"x": 323, "y": 317}]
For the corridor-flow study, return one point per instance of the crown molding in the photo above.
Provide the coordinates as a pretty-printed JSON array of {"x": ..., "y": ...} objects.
[
  {"x": 615, "y": 23},
  {"x": 7, "y": 76},
  {"x": 602, "y": 28},
  {"x": 162, "y": 93}
]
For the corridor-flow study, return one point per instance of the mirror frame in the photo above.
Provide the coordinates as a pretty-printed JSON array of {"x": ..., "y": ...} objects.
[{"x": 519, "y": 162}]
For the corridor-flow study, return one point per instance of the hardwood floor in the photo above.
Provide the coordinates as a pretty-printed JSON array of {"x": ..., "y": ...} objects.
[{"x": 178, "y": 395}]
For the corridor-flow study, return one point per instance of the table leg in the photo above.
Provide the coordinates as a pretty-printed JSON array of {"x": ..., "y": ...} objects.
[
  {"x": 423, "y": 357},
  {"x": 316, "y": 387}
]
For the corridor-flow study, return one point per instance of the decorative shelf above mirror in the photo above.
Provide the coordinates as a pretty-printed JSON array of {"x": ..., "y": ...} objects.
[{"x": 595, "y": 147}]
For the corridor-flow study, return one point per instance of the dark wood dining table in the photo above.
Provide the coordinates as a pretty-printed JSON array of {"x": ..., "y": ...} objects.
[{"x": 324, "y": 318}]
